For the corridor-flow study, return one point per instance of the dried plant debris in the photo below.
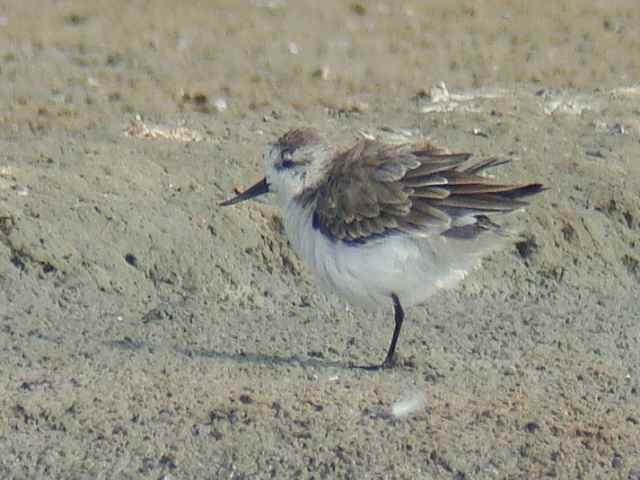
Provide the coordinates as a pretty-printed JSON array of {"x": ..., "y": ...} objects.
[{"x": 140, "y": 129}]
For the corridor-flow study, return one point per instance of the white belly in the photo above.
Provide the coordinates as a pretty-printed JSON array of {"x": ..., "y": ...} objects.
[{"x": 413, "y": 268}]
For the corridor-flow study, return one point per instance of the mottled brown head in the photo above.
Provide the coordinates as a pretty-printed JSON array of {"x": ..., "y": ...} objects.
[
  {"x": 295, "y": 162},
  {"x": 290, "y": 164},
  {"x": 292, "y": 145}
]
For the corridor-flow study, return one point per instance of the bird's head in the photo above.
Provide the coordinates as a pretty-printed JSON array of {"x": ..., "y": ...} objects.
[{"x": 295, "y": 162}]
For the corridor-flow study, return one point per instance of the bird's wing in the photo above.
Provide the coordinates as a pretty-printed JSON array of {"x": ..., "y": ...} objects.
[{"x": 374, "y": 189}]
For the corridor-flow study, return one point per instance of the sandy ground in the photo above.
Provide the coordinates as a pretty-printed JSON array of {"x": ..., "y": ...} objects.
[{"x": 147, "y": 333}]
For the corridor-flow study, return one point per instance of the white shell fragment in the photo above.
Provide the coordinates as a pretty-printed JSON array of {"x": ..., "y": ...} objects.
[{"x": 409, "y": 404}]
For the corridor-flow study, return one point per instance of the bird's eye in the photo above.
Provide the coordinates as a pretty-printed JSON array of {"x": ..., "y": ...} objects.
[
  {"x": 285, "y": 155},
  {"x": 287, "y": 164}
]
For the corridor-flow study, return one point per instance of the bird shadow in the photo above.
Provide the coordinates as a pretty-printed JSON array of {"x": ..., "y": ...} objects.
[
  {"x": 262, "y": 359},
  {"x": 244, "y": 357}
]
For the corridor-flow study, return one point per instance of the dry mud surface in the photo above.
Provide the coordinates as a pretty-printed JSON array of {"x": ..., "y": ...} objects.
[{"x": 147, "y": 333}]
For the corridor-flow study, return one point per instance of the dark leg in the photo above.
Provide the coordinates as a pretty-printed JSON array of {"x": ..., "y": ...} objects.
[{"x": 398, "y": 315}]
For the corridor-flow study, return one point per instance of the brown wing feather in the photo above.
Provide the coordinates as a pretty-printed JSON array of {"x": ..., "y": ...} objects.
[{"x": 374, "y": 188}]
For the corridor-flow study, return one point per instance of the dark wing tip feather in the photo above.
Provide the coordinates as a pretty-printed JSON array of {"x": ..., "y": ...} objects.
[
  {"x": 484, "y": 164},
  {"x": 524, "y": 191}
]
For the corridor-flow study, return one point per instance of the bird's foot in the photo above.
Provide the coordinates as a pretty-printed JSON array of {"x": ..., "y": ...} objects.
[{"x": 389, "y": 362}]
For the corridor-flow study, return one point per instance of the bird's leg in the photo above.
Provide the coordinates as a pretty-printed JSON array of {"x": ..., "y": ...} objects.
[{"x": 398, "y": 315}]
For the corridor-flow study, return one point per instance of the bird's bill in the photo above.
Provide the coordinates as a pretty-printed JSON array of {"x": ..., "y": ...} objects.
[{"x": 259, "y": 188}]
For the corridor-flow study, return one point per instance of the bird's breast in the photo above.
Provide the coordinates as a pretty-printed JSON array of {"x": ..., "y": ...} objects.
[{"x": 365, "y": 274}]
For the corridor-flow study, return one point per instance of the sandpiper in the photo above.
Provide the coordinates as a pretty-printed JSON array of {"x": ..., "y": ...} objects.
[{"x": 386, "y": 224}]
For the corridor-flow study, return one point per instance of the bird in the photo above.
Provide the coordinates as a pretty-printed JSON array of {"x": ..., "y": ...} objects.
[{"x": 386, "y": 224}]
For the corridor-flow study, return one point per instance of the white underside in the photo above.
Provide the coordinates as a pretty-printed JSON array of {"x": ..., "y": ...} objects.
[{"x": 412, "y": 267}]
